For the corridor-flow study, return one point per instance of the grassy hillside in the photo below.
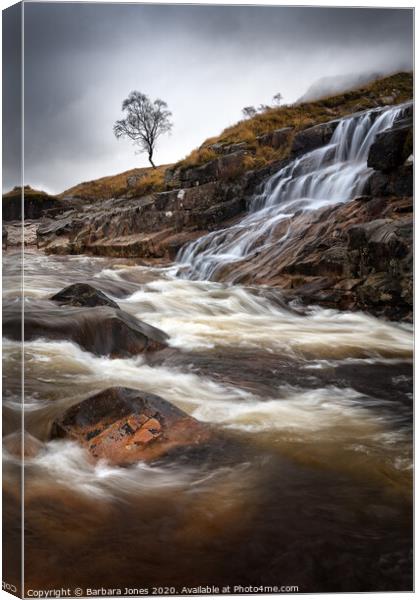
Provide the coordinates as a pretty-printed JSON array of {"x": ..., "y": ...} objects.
[
  {"x": 137, "y": 182},
  {"x": 36, "y": 203},
  {"x": 134, "y": 182},
  {"x": 30, "y": 194},
  {"x": 390, "y": 90}
]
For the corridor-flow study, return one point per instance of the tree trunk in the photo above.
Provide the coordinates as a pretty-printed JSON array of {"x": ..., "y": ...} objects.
[{"x": 151, "y": 161}]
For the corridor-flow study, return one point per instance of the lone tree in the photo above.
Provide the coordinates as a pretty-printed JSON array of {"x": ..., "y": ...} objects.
[
  {"x": 277, "y": 98},
  {"x": 249, "y": 112},
  {"x": 145, "y": 121}
]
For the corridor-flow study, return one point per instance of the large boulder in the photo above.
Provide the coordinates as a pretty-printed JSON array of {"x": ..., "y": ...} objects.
[
  {"x": 124, "y": 426},
  {"x": 83, "y": 294},
  {"x": 102, "y": 330}
]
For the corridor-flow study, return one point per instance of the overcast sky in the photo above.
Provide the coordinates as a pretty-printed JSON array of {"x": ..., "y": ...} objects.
[{"x": 206, "y": 62}]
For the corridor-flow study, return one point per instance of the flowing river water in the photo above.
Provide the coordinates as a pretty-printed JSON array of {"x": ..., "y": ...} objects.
[{"x": 312, "y": 486}]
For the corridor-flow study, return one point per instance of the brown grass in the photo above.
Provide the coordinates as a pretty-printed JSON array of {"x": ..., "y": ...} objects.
[
  {"x": 16, "y": 193},
  {"x": 304, "y": 115},
  {"x": 114, "y": 186},
  {"x": 152, "y": 181}
]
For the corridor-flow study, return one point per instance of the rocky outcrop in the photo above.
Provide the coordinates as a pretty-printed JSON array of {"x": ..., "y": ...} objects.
[
  {"x": 392, "y": 148},
  {"x": 230, "y": 148},
  {"x": 83, "y": 294},
  {"x": 276, "y": 139},
  {"x": 149, "y": 227},
  {"x": 124, "y": 426},
  {"x": 225, "y": 167},
  {"x": 36, "y": 204},
  {"x": 313, "y": 137},
  {"x": 102, "y": 330}
]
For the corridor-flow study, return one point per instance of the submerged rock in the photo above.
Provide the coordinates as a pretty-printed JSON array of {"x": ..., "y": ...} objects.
[
  {"x": 124, "y": 426},
  {"x": 102, "y": 330},
  {"x": 83, "y": 294},
  {"x": 22, "y": 446}
]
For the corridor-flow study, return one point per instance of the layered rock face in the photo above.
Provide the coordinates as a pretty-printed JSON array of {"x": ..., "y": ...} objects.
[
  {"x": 123, "y": 426},
  {"x": 154, "y": 226}
]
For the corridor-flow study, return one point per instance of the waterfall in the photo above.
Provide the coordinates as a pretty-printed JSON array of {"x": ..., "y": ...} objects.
[{"x": 334, "y": 173}]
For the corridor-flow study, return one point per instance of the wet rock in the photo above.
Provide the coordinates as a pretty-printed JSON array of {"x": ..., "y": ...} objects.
[
  {"x": 83, "y": 294},
  {"x": 218, "y": 213},
  {"x": 391, "y": 148},
  {"x": 22, "y": 446},
  {"x": 380, "y": 245},
  {"x": 397, "y": 183},
  {"x": 124, "y": 426},
  {"x": 102, "y": 330},
  {"x": 313, "y": 137}
]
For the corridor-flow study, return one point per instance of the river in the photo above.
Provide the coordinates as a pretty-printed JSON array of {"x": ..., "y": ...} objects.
[{"x": 313, "y": 487}]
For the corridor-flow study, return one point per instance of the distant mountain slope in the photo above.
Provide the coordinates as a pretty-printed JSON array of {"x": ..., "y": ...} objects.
[{"x": 337, "y": 84}]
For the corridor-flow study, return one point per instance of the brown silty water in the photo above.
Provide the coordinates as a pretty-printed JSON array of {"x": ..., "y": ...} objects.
[{"x": 310, "y": 483}]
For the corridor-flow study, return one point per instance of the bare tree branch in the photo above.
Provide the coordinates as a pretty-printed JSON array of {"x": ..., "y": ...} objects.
[{"x": 144, "y": 123}]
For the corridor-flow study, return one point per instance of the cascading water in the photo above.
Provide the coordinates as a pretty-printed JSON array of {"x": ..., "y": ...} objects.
[{"x": 334, "y": 173}]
